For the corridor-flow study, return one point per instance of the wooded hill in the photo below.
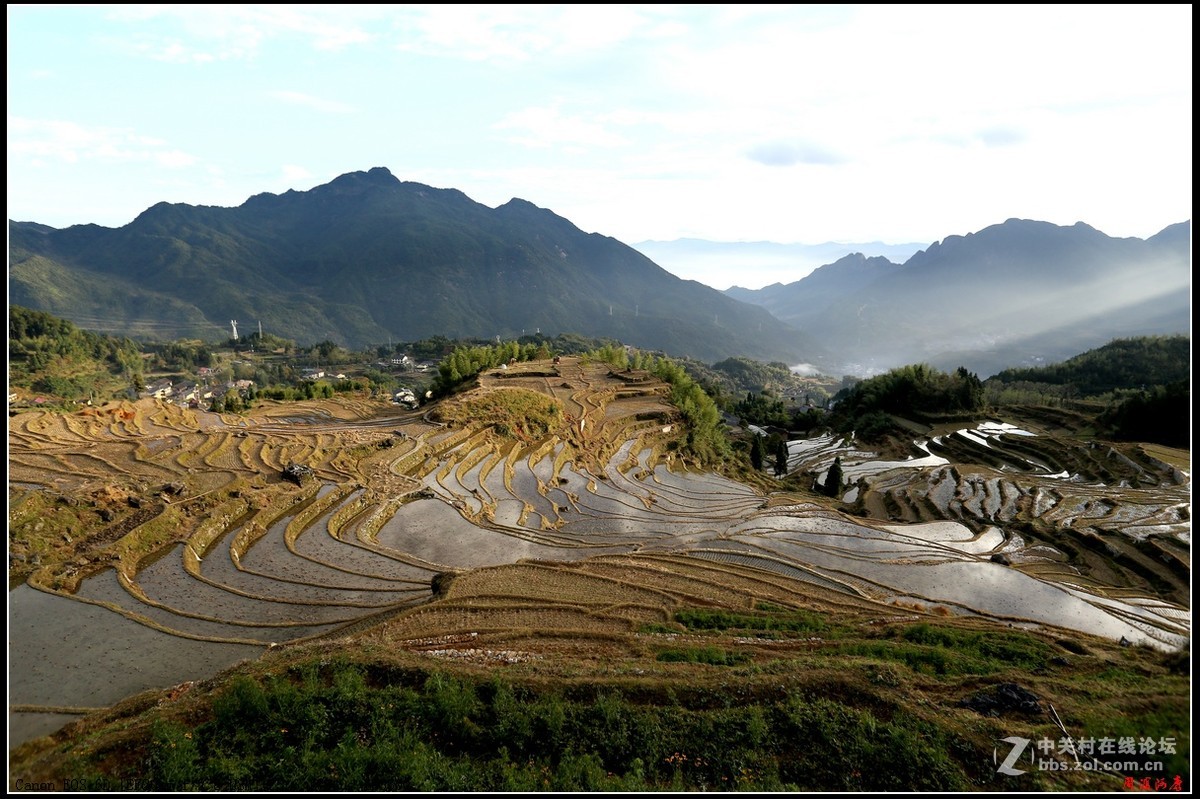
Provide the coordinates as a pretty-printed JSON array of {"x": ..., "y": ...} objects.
[
  {"x": 367, "y": 258},
  {"x": 52, "y": 356}
]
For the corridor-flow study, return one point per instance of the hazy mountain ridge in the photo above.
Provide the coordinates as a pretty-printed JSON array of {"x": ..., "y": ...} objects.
[
  {"x": 714, "y": 261},
  {"x": 366, "y": 258},
  {"x": 1018, "y": 293},
  {"x": 801, "y": 302}
]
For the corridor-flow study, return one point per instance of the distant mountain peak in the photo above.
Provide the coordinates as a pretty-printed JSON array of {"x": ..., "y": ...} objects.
[
  {"x": 518, "y": 203},
  {"x": 524, "y": 208},
  {"x": 859, "y": 258},
  {"x": 376, "y": 176},
  {"x": 161, "y": 212},
  {"x": 855, "y": 260}
]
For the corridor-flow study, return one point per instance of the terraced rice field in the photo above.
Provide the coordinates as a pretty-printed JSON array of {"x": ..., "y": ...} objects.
[{"x": 463, "y": 543}]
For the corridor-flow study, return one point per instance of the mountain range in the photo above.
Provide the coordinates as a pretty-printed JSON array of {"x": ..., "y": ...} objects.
[
  {"x": 368, "y": 258},
  {"x": 1020, "y": 293}
]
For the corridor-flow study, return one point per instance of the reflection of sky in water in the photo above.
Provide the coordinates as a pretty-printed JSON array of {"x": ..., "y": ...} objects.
[
  {"x": 433, "y": 532},
  {"x": 470, "y": 478},
  {"x": 734, "y": 552},
  {"x": 1143, "y": 612},
  {"x": 525, "y": 485},
  {"x": 1002, "y": 428},
  {"x": 493, "y": 484},
  {"x": 106, "y": 588},
  {"x": 941, "y": 561},
  {"x": 269, "y": 570},
  {"x": 854, "y": 471},
  {"x": 982, "y": 586},
  {"x": 953, "y": 534},
  {"x": 656, "y": 509},
  {"x": 349, "y": 566},
  {"x": 133, "y": 657},
  {"x": 690, "y": 494},
  {"x": 418, "y": 526},
  {"x": 974, "y": 439},
  {"x": 166, "y": 582},
  {"x": 544, "y": 467},
  {"x": 833, "y": 551},
  {"x": 799, "y": 445},
  {"x": 349, "y": 555},
  {"x": 508, "y": 512}
]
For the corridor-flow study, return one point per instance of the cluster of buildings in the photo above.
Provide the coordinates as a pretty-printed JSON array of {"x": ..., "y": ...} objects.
[
  {"x": 406, "y": 364},
  {"x": 194, "y": 395},
  {"x": 207, "y": 390}
]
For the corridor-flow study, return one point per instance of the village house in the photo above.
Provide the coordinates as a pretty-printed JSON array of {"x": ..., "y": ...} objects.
[
  {"x": 185, "y": 393},
  {"x": 159, "y": 389},
  {"x": 405, "y": 396}
]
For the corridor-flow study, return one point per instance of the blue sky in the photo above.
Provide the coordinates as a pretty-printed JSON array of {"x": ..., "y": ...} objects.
[{"x": 730, "y": 123}]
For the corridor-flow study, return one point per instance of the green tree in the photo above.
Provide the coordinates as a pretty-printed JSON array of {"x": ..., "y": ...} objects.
[
  {"x": 757, "y": 451},
  {"x": 325, "y": 351},
  {"x": 833, "y": 480},
  {"x": 781, "y": 457},
  {"x": 969, "y": 389},
  {"x": 777, "y": 446}
]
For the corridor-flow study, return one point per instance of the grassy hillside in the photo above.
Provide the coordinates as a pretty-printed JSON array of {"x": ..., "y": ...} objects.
[{"x": 768, "y": 699}]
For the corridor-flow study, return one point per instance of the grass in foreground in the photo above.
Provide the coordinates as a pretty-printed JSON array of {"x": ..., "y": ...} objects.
[{"x": 859, "y": 712}]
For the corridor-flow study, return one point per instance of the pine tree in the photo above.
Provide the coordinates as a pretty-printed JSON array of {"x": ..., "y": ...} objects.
[
  {"x": 757, "y": 452},
  {"x": 781, "y": 457}
]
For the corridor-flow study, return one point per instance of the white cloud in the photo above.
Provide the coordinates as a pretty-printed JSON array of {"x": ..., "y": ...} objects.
[
  {"x": 201, "y": 34},
  {"x": 547, "y": 127},
  {"x": 790, "y": 153},
  {"x": 33, "y": 140},
  {"x": 292, "y": 173},
  {"x": 519, "y": 33},
  {"x": 315, "y": 103},
  {"x": 1000, "y": 136},
  {"x": 173, "y": 159}
]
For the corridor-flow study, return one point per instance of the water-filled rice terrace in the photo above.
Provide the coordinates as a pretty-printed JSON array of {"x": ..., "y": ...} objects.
[{"x": 441, "y": 533}]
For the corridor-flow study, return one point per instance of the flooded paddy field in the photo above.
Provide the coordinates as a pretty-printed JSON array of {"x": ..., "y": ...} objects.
[
  {"x": 200, "y": 555},
  {"x": 68, "y": 654}
]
